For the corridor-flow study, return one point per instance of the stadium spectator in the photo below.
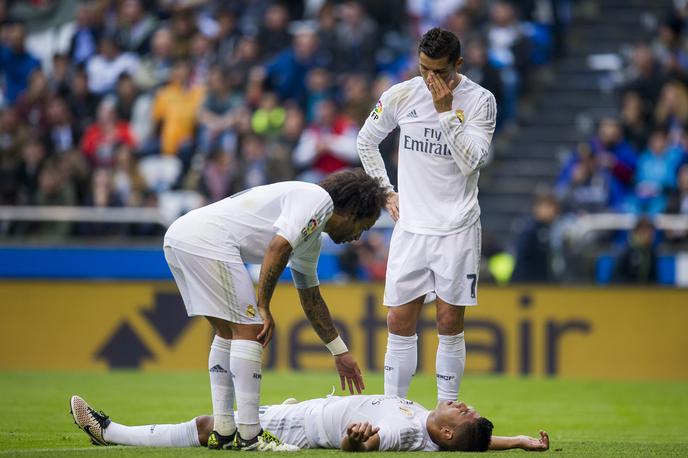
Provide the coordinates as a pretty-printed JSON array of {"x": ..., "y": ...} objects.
[
  {"x": 478, "y": 68},
  {"x": 534, "y": 248},
  {"x": 32, "y": 104},
  {"x": 508, "y": 49},
  {"x": 254, "y": 163},
  {"x": 53, "y": 190},
  {"x": 154, "y": 69},
  {"x": 102, "y": 194},
  {"x": 669, "y": 50},
  {"x": 175, "y": 109},
  {"x": 656, "y": 175},
  {"x": 76, "y": 170},
  {"x": 203, "y": 58},
  {"x": 328, "y": 144},
  {"x": 58, "y": 79},
  {"x": 183, "y": 26},
  {"x": 228, "y": 34},
  {"x": 318, "y": 88},
  {"x": 273, "y": 33},
  {"x": 637, "y": 262},
  {"x": 268, "y": 118},
  {"x": 586, "y": 187},
  {"x": 129, "y": 186},
  {"x": 13, "y": 135},
  {"x": 286, "y": 73},
  {"x": 426, "y": 14},
  {"x": 135, "y": 27},
  {"x": 16, "y": 63},
  {"x": 125, "y": 96},
  {"x": 356, "y": 40},
  {"x": 104, "y": 68},
  {"x": 102, "y": 138},
  {"x": 82, "y": 103},
  {"x": 217, "y": 118},
  {"x": 280, "y": 147},
  {"x": 243, "y": 61},
  {"x": 459, "y": 22},
  {"x": 678, "y": 204},
  {"x": 33, "y": 156},
  {"x": 678, "y": 199},
  {"x": 613, "y": 155},
  {"x": 218, "y": 176},
  {"x": 365, "y": 259},
  {"x": 61, "y": 134},
  {"x": 671, "y": 109},
  {"x": 84, "y": 43},
  {"x": 635, "y": 120},
  {"x": 643, "y": 76},
  {"x": 356, "y": 97}
]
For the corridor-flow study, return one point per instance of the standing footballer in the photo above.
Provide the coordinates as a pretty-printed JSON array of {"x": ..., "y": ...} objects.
[{"x": 446, "y": 123}]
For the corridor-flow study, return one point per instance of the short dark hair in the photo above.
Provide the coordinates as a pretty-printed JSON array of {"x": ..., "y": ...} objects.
[
  {"x": 438, "y": 43},
  {"x": 355, "y": 191},
  {"x": 472, "y": 437}
]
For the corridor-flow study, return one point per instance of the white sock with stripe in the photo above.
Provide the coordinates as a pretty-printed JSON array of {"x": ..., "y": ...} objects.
[
  {"x": 400, "y": 363},
  {"x": 246, "y": 365},
  {"x": 449, "y": 363},
  {"x": 221, "y": 385}
]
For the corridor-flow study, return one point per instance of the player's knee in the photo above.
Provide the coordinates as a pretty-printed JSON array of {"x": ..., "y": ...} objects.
[
  {"x": 204, "y": 426},
  {"x": 401, "y": 324},
  {"x": 450, "y": 320}
]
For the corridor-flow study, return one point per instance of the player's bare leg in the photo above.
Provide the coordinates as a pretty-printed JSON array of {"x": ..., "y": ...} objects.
[
  {"x": 402, "y": 347},
  {"x": 451, "y": 351}
]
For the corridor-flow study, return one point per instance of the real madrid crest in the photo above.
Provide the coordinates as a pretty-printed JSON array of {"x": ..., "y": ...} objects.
[
  {"x": 250, "y": 311},
  {"x": 459, "y": 114}
]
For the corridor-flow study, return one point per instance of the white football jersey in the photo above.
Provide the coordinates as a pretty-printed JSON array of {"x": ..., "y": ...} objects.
[
  {"x": 240, "y": 227},
  {"x": 402, "y": 422},
  {"x": 440, "y": 154}
]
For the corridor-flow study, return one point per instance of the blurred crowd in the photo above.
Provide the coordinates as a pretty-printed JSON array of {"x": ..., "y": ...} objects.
[
  {"x": 636, "y": 163},
  {"x": 117, "y": 103}
]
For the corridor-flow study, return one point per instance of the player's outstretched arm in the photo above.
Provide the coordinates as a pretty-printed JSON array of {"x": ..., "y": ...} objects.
[
  {"x": 527, "y": 443},
  {"x": 361, "y": 437},
  {"x": 319, "y": 316},
  {"x": 274, "y": 261}
]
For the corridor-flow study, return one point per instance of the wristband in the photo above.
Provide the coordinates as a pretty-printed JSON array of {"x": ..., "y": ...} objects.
[{"x": 337, "y": 346}]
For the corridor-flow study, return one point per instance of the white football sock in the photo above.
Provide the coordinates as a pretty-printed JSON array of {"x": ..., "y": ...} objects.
[
  {"x": 179, "y": 435},
  {"x": 451, "y": 359},
  {"x": 221, "y": 386},
  {"x": 400, "y": 363},
  {"x": 246, "y": 369}
]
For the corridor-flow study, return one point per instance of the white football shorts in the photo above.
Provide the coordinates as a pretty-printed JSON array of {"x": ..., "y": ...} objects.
[
  {"x": 210, "y": 287},
  {"x": 446, "y": 265}
]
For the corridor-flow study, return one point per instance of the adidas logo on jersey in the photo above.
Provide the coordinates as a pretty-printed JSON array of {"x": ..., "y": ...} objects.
[
  {"x": 412, "y": 114},
  {"x": 217, "y": 368}
]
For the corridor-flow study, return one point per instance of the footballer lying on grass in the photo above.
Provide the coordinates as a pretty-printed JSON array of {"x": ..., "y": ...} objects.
[{"x": 351, "y": 423}]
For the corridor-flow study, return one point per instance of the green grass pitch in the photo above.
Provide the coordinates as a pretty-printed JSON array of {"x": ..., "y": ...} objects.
[{"x": 583, "y": 417}]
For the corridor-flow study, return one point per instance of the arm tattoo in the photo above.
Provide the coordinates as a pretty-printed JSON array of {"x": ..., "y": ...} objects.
[
  {"x": 269, "y": 275},
  {"x": 318, "y": 314}
]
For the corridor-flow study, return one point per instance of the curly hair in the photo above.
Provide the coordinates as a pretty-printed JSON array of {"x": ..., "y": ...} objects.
[
  {"x": 436, "y": 43},
  {"x": 473, "y": 437},
  {"x": 354, "y": 191}
]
